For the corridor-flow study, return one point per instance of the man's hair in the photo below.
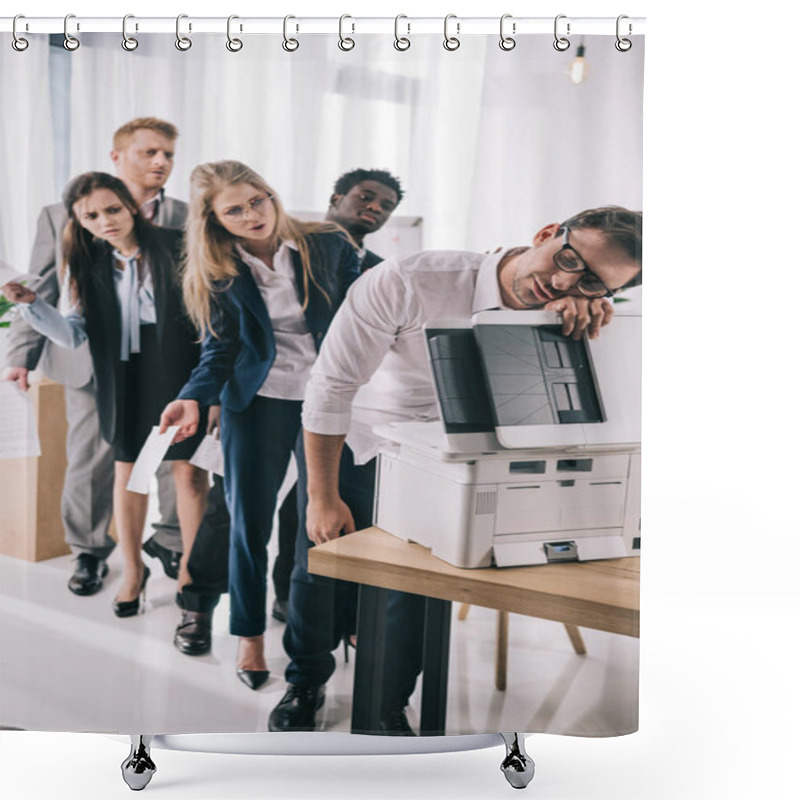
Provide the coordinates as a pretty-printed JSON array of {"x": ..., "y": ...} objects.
[
  {"x": 620, "y": 227},
  {"x": 122, "y": 134},
  {"x": 344, "y": 183}
]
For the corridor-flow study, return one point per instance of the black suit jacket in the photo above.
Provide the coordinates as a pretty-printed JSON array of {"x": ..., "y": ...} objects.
[
  {"x": 177, "y": 338},
  {"x": 370, "y": 260}
]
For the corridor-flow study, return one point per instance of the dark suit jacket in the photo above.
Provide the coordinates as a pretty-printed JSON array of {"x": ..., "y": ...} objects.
[
  {"x": 177, "y": 338},
  {"x": 235, "y": 361},
  {"x": 27, "y": 348},
  {"x": 370, "y": 260}
]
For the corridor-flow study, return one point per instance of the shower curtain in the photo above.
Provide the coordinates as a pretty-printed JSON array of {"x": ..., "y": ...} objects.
[{"x": 490, "y": 146}]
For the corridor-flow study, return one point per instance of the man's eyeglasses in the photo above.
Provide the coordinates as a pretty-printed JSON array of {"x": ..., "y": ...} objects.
[{"x": 568, "y": 259}]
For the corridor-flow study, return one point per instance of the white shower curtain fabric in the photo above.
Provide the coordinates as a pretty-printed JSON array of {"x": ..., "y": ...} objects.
[{"x": 489, "y": 145}]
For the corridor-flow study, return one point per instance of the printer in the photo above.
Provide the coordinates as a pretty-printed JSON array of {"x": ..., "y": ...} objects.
[{"x": 537, "y": 455}]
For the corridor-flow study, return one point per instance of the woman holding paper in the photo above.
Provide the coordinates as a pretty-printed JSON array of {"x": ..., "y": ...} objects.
[
  {"x": 262, "y": 287},
  {"x": 125, "y": 298}
]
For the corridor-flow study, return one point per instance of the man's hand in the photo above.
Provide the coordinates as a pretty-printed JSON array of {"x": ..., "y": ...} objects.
[
  {"x": 185, "y": 414},
  {"x": 17, "y": 374},
  {"x": 582, "y": 315},
  {"x": 214, "y": 414},
  {"x": 17, "y": 293},
  {"x": 327, "y": 520}
]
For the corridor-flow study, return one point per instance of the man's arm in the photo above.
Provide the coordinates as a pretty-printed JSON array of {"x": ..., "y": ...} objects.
[
  {"x": 327, "y": 513},
  {"x": 362, "y": 332}
]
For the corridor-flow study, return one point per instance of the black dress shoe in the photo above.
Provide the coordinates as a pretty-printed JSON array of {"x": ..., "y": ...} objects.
[
  {"x": 280, "y": 610},
  {"x": 193, "y": 634},
  {"x": 88, "y": 576},
  {"x": 130, "y": 608},
  {"x": 252, "y": 678},
  {"x": 395, "y": 723},
  {"x": 170, "y": 560},
  {"x": 297, "y": 709}
]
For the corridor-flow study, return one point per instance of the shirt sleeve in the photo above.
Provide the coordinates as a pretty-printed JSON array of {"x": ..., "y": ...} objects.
[
  {"x": 377, "y": 308},
  {"x": 66, "y": 330}
]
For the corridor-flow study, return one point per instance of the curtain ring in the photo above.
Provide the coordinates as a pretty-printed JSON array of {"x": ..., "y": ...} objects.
[
  {"x": 346, "y": 42},
  {"x": 70, "y": 42},
  {"x": 289, "y": 44},
  {"x": 18, "y": 42},
  {"x": 128, "y": 42},
  {"x": 507, "y": 42},
  {"x": 183, "y": 43},
  {"x": 623, "y": 45},
  {"x": 451, "y": 42},
  {"x": 233, "y": 45},
  {"x": 401, "y": 42},
  {"x": 561, "y": 43}
]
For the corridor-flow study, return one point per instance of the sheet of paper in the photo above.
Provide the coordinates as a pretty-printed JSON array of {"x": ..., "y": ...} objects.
[
  {"x": 150, "y": 456},
  {"x": 8, "y": 273},
  {"x": 208, "y": 455},
  {"x": 18, "y": 435}
]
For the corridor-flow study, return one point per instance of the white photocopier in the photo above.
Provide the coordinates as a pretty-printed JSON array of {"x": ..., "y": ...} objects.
[{"x": 537, "y": 456}]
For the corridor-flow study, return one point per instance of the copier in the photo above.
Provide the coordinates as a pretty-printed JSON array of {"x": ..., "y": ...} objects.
[{"x": 537, "y": 455}]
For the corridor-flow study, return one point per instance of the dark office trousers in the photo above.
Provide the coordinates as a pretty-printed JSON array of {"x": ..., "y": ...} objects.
[
  {"x": 319, "y": 607},
  {"x": 208, "y": 561},
  {"x": 257, "y": 444},
  {"x": 287, "y": 536}
]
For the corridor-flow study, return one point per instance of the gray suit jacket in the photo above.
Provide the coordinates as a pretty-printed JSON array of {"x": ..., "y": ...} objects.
[{"x": 27, "y": 348}]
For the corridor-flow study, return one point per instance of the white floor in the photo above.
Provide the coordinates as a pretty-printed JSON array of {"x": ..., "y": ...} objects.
[{"x": 68, "y": 664}]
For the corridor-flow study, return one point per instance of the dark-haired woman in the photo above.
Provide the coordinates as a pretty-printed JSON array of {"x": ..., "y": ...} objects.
[
  {"x": 125, "y": 298},
  {"x": 262, "y": 287}
]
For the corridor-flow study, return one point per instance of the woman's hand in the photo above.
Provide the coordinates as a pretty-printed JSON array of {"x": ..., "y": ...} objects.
[
  {"x": 214, "y": 414},
  {"x": 183, "y": 413},
  {"x": 17, "y": 293}
]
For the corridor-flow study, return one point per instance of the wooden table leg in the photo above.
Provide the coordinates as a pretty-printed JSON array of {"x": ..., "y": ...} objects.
[
  {"x": 574, "y": 633},
  {"x": 368, "y": 678}
]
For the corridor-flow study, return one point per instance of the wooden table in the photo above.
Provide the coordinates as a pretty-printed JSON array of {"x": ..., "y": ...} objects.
[{"x": 603, "y": 595}]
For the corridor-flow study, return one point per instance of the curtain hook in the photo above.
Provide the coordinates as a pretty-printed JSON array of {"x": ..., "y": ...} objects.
[
  {"x": 561, "y": 43},
  {"x": 289, "y": 44},
  {"x": 451, "y": 42},
  {"x": 128, "y": 42},
  {"x": 70, "y": 42},
  {"x": 507, "y": 42},
  {"x": 233, "y": 45},
  {"x": 183, "y": 43},
  {"x": 623, "y": 45},
  {"x": 18, "y": 42},
  {"x": 345, "y": 42},
  {"x": 401, "y": 42}
]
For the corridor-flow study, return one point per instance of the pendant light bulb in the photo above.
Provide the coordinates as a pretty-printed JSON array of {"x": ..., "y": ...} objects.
[{"x": 579, "y": 69}]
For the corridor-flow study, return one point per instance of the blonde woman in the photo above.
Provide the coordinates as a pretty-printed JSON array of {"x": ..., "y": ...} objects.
[{"x": 262, "y": 287}]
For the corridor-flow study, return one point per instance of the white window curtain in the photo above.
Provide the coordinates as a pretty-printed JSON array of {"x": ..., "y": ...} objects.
[{"x": 483, "y": 155}]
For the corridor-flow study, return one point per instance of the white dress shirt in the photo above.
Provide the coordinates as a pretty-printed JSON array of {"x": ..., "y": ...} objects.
[
  {"x": 294, "y": 345},
  {"x": 66, "y": 325},
  {"x": 373, "y": 366}
]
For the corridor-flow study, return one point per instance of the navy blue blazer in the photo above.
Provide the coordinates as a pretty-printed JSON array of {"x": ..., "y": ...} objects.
[{"x": 235, "y": 360}]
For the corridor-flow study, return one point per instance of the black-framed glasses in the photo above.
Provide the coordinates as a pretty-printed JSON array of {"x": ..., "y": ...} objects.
[{"x": 568, "y": 259}]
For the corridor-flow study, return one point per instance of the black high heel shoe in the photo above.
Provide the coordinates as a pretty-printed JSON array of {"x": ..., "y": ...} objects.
[
  {"x": 130, "y": 608},
  {"x": 252, "y": 678},
  {"x": 348, "y": 643}
]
